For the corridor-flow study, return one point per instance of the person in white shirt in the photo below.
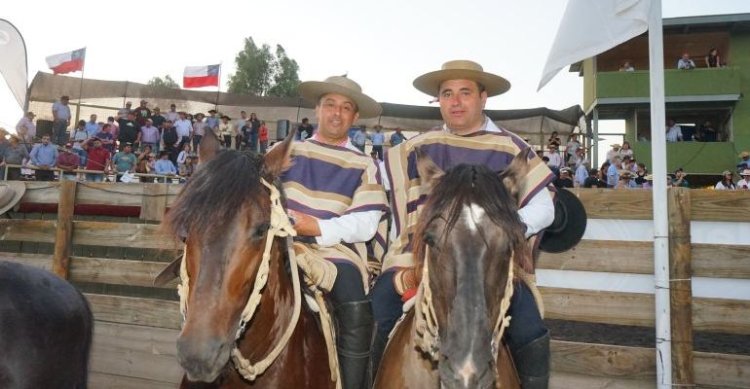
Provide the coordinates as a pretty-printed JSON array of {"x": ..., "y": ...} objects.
[
  {"x": 674, "y": 131},
  {"x": 615, "y": 152},
  {"x": 744, "y": 183},
  {"x": 184, "y": 128},
  {"x": 555, "y": 159},
  {"x": 26, "y": 129}
]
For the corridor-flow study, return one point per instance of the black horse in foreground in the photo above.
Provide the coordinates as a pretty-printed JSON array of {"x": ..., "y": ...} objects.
[{"x": 45, "y": 330}]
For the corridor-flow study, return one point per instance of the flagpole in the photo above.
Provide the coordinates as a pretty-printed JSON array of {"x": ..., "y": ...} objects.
[
  {"x": 659, "y": 198},
  {"x": 218, "y": 89},
  {"x": 80, "y": 91}
]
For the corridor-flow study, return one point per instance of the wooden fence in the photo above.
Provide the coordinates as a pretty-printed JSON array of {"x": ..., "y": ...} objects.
[{"x": 114, "y": 260}]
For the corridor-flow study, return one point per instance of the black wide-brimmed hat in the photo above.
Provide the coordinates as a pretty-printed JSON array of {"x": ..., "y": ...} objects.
[{"x": 569, "y": 225}]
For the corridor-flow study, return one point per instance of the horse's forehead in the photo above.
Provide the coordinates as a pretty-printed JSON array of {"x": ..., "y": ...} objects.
[{"x": 472, "y": 215}]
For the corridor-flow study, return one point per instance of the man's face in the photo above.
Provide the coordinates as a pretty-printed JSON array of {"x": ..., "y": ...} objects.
[
  {"x": 461, "y": 105},
  {"x": 336, "y": 114},
  {"x": 93, "y": 118},
  {"x": 127, "y": 148},
  {"x": 45, "y": 140},
  {"x": 64, "y": 101},
  {"x": 243, "y": 114}
]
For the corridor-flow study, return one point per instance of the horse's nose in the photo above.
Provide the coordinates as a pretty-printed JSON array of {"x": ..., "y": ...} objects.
[
  {"x": 467, "y": 375},
  {"x": 203, "y": 360}
]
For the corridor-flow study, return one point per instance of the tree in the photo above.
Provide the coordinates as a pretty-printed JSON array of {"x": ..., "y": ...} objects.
[
  {"x": 261, "y": 73},
  {"x": 166, "y": 82}
]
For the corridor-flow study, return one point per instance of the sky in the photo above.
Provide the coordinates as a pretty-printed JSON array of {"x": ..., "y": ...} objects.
[{"x": 383, "y": 45}]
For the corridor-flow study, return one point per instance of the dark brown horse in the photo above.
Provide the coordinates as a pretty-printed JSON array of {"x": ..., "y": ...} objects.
[
  {"x": 224, "y": 213},
  {"x": 468, "y": 233},
  {"x": 45, "y": 330}
]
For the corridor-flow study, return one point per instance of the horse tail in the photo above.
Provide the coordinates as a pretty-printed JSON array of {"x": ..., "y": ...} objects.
[{"x": 88, "y": 332}]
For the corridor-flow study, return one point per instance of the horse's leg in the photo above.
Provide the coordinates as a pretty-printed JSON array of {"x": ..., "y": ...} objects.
[{"x": 403, "y": 366}]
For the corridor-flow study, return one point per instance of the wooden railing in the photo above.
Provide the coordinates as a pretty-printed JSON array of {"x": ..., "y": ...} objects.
[{"x": 134, "y": 336}]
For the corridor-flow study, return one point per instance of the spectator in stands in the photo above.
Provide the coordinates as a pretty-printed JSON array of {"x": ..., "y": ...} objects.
[
  {"x": 44, "y": 157},
  {"x": 199, "y": 130},
  {"x": 157, "y": 119},
  {"x": 627, "y": 67},
  {"x": 359, "y": 140},
  {"x": 183, "y": 156},
  {"x": 378, "y": 140},
  {"x": 226, "y": 132},
  {"x": 98, "y": 159},
  {"x": 238, "y": 124},
  {"x": 640, "y": 174},
  {"x": 150, "y": 135},
  {"x": 169, "y": 139},
  {"x": 554, "y": 139},
  {"x": 14, "y": 154},
  {"x": 744, "y": 160},
  {"x": 685, "y": 62},
  {"x": 248, "y": 136},
  {"x": 124, "y": 161},
  {"x": 212, "y": 121},
  {"x": 582, "y": 173},
  {"x": 708, "y": 132},
  {"x": 164, "y": 166},
  {"x": 712, "y": 59},
  {"x": 92, "y": 127},
  {"x": 26, "y": 129},
  {"x": 674, "y": 132},
  {"x": 626, "y": 151},
  {"x": 122, "y": 113},
  {"x": 613, "y": 172},
  {"x": 130, "y": 131},
  {"x": 679, "y": 180},
  {"x": 61, "y": 120},
  {"x": 305, "y": 129},
  {"x": 744, "y": 183},
  {"x": 143, "y": 163},
  {"x": 68, "y": 161},
  {"x": 79, "y": 133},
  {"x": 142, "y": 113},
  {"x": 114, "y": 128},
  {"x": 614, "y": 152},
  {"x": 625, "y": 180},
  {"x": 727, "y": 182},
  {"x": 263, "y": 137},
  {"x": 105, "y": 135},
  {"x": 565, "y": 180},
  {"x": 572, "y": 147},
  {"x": 397, "y": 137},
  {"x": 649, "y": 181},
  {"x": 555, "y": 160},
  {"x": 593, "y": 180},
  {"x": 172, "y": 115},
  {"x": 184, "y": 128}
]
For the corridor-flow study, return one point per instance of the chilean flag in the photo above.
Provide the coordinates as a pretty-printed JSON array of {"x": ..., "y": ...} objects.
[
  {"x": 71, "y": 61},
  {"x": 198, "y": 76}
]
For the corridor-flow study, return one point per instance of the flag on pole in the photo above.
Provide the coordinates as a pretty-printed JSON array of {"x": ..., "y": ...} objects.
[
  {"x": 590, "y": 27},
  {"x": 198, "y": 76},
  {"x": 13, "y": 65},
  {"x": 69, "y": 62}
]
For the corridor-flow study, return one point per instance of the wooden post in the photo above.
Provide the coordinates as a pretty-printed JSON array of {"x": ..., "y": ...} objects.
[
  {"x": 64, "y": 231},
  {"x": 681, "y": 289}
]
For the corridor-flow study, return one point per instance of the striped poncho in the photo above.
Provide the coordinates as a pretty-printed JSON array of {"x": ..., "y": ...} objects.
[{"x": 494, "y": 148}]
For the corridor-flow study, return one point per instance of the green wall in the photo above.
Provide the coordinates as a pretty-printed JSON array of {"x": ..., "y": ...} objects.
[{"x": 740, "y": 59}]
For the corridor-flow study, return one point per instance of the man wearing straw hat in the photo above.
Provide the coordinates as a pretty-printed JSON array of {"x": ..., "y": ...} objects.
[
  {"x": 337, "y": 202},
  {"x": 467, "y": 136}
]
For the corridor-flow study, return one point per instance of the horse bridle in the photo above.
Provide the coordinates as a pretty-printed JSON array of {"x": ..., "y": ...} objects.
[
  {"x": 279, "y": 226},
  {"x": 426, "y": 327}
]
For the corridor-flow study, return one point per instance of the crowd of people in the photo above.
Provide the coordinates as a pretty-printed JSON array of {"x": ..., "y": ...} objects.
[{"x": 138, "y": 140}]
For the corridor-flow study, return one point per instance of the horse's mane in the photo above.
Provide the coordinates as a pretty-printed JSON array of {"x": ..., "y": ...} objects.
[
  {"x": 215, "y": 193},
  {"x": 468, "y": 184}
]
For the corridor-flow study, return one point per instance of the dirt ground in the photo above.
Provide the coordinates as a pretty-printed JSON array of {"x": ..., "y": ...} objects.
[{"x": 643, "y": 336}]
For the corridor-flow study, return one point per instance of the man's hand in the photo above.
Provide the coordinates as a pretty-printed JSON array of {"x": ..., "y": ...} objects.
[{"x": 304, "y": 224}]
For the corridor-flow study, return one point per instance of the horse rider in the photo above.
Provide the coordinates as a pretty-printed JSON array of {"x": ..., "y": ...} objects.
[
  {"x": 466, "y": 136},
  {"x": 337, "y": 202}
]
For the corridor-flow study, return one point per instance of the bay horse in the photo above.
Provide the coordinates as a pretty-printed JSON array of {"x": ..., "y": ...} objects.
[
  {"x": 466, "y": 239},
  {"x": 45, "y": 330},
  {"x": 243, "y": 324}
]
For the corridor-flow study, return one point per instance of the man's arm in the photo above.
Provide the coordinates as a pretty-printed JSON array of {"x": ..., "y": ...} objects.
[
  {"x": 351, "y": 228},
  {"x": 538, "y": 213}
]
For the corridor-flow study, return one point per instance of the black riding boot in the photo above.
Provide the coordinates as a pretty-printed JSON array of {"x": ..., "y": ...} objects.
[
  {"x": 533, "y": 362},
  {"x": 378, "y": 348},
  {"x": 354, "y": 324}
]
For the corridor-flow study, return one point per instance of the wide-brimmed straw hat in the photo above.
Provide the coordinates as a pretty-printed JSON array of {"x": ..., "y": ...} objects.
[
  {"x": 10, "y": 194},
  {"x": 429, "y": 83},
  {"x": 745, "y": 173},
  {"x": 745, "y": 154},
  {"x": 314, "y": 90}
]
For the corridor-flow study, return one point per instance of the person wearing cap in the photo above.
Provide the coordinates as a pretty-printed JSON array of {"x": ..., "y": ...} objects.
[
  {"x": 335, "y": 197},
  {"x": 212, "y": 121},
  {"x": 14, "y": 154},
  {"x": 625, "y": 180},
  {"x": 614, "y": 152},
  {"x": 744, "y": 160},
  {"x": 44, "y": 157},
  {"x": 467, "y": 136},
  {"x": 744, "y": 183},
  {"x": 727, "y": 182},
  {"x": 565, "y": 180},
  {"x": 68, "y": 161},
  {"x": 225, "y": 132},
  {"x": 130, "y": 131},
  {"x": 150, "y": 135},
  {"x": 142, "y": 113},
  {"x": 60, "y": 120},
  {"x": 122, "y": 113},
  {"x": 26, "y": 129}
]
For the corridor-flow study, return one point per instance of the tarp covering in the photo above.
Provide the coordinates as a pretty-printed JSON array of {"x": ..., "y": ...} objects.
[{"x": 105, "y": 97}]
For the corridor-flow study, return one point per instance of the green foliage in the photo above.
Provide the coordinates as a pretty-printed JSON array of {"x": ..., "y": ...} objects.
[
  {"x": 261, "y": 73},
  {"x": 166, "y": 82}
]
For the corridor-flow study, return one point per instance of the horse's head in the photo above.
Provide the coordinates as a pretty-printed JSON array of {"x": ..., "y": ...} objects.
[
  {"x": 469, "y": 232},
  {"x": 223, "y": 215}
]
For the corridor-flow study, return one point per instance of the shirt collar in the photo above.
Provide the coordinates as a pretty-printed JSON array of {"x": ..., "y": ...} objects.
[{"x": 487, "y": 126}]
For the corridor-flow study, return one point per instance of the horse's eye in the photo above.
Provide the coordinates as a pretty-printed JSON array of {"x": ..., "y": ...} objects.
[
  {"x": 429, "y": 240},
  {"x": 260, "y": 231}
]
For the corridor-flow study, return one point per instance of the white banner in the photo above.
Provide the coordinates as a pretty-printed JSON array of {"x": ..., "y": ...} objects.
[{"x": 13, "y": 66}]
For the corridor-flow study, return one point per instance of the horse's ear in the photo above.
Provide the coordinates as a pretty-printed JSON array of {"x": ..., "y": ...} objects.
[
  {"x": 429, "y": 172},
  {"x": 278, "y": 160},
  {"x": 514, "y": 176},
  {"x": 209, "y": 147}
]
